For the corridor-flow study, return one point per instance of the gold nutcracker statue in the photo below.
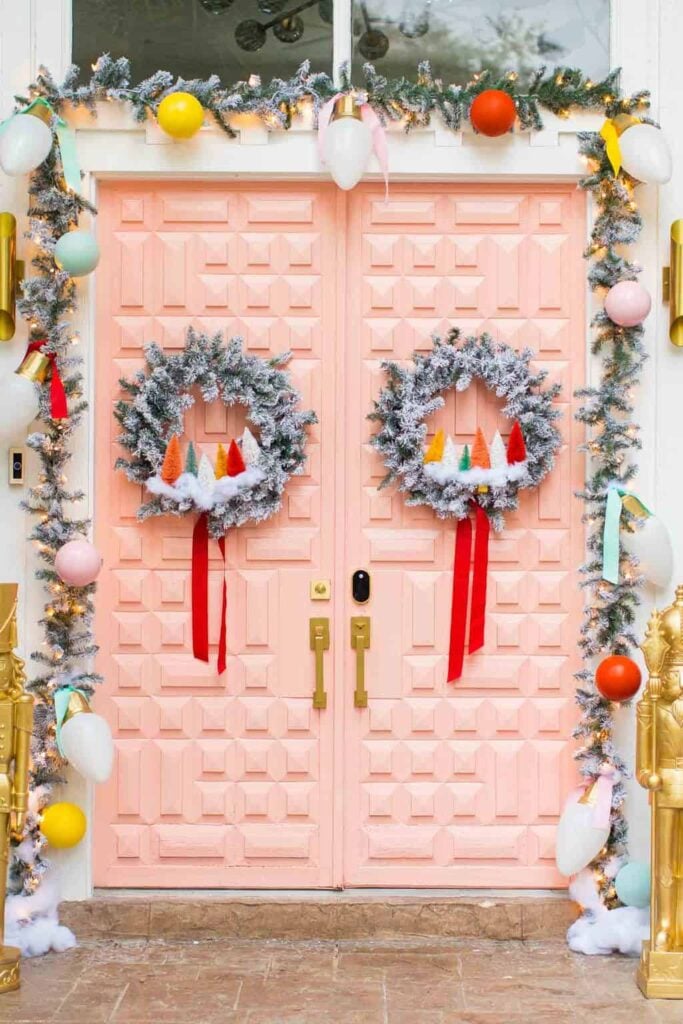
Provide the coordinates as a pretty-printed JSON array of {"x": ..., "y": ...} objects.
[
  {"x": 659, "y": 768},
  {"x": 16, "y": 725}
]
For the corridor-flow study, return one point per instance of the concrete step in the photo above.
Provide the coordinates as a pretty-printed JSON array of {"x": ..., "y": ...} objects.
[{"x": 350, "y": 914}]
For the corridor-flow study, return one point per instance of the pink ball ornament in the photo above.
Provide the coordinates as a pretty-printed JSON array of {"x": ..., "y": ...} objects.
[
  {"x": 78, "y": 562},
  {"x": 627, "y": 303}
]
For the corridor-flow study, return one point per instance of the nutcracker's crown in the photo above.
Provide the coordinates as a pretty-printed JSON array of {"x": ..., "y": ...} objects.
[
  {"x": 672, "y": 628},
  {"x": 8, "y": 616}
]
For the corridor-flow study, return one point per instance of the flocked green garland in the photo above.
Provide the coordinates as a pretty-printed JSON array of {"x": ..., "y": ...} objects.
[{"x": 48, "y": 301}]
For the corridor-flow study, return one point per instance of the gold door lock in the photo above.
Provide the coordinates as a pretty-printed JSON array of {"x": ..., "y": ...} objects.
[
  {"x": 360, "y": 643},
  {"x": 319, "y": 639}
]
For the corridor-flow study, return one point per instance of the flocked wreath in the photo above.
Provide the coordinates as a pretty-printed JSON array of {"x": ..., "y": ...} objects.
[
  {"x": 248, "y": 480},
  {"x": 441, "y": 477}
]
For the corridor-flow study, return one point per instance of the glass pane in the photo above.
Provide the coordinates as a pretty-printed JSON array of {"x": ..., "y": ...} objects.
[
  {"x": 197, "y": 38},
  {"x": 462, "y": 36}
]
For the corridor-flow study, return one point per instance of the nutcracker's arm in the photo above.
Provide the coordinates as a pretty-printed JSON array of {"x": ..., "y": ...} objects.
[
  {"x": 644, "y": 725},
  {"x": 22, "y": 757}
]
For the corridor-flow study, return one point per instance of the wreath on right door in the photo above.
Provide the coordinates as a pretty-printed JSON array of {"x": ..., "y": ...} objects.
[{"x": 483, "y": 479}]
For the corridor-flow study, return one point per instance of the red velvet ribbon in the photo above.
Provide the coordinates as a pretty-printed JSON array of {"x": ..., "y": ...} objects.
[
  {"x": 479, "y": 581},
  {"x": 461, "y": 586},
  {"x": 461, "y": 583},
  {"x": 200, "y": 595},
  {"x": 58, "y": 409}
]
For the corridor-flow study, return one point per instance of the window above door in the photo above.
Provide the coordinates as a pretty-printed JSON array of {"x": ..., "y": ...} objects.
[
  {"x": 459, "y": 37},
  {"x": 198, "y": 38},
  {"x": 237, "y": 38}
]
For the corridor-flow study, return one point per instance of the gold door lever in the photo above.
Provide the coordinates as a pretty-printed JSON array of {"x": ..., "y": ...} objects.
[
  {"x": 319, "y": 637},
  {"x": 360, "y": 643}
]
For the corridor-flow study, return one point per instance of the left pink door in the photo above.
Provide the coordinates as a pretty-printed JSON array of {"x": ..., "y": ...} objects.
[{"x": 219, "y": 781}]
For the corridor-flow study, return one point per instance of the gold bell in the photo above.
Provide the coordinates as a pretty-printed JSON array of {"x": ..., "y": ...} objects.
[
  {"x": 34, "y": 367},
  {"x": 346, "y": 106},
  {"x": 11, "y": 272}
]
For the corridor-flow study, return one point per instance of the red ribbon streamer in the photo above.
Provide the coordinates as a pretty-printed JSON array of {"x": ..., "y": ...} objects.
[
  {"x": 479, "y": 581},
  {"x": 200, "y": 588},
  {"x": 222, "y": 644},
  {"x": 200, "y": 595},
  {"x": 461, "y": 586},
  {"x": 461, "y": 581},
  {"x": 58, "y": 408}
]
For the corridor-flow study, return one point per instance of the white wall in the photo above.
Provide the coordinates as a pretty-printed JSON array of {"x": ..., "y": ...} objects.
[{"x": 645, "y": 42}]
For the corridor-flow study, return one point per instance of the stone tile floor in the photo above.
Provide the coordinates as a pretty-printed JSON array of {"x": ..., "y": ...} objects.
[{"x": 283, "y": 982}]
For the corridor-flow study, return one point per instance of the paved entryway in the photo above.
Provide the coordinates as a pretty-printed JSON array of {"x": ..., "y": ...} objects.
[{"x": 249, "y": 982}]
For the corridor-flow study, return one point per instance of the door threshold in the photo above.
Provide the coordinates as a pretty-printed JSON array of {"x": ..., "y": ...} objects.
[{"x": 350, "y": 914}]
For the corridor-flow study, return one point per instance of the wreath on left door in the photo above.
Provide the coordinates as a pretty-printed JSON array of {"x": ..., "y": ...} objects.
[{"x": 246, "y": 481}]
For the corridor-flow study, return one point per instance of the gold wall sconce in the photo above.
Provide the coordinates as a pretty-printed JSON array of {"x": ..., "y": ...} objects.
[
  {"x": 11, "y": 272},
  {"x": 672, "y": 285}
]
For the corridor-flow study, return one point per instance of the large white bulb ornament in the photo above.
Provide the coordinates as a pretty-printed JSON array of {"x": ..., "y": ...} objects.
[
  {"x": 19, "y": 405},
  {"x": 348, "y": 144},
  {"x": 24, "y": 144},
  {"x": 645, "y": 154},
  {"x": 87, "y": 741}
]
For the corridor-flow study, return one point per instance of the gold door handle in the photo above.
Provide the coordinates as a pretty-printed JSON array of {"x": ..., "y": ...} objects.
[
  {"x": 360, "y": 643},
  {"x": 319, "y": 638}
]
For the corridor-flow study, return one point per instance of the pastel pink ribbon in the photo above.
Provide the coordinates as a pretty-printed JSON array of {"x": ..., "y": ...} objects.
[
  {"x": 603, "y": 803},
  {"x": 370, "y": 118}
]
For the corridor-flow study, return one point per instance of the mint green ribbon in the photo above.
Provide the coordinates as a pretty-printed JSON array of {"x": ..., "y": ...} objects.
[
  {"x": 61, "y": 701},
  {"x": 617, "y": 498},
  {"x": 67, "y": 144}
]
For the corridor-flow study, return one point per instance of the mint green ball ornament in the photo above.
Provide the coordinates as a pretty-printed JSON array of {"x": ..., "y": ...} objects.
[
  {"x": 633, "y": 884},
  {"x": 77, "y": 252}
]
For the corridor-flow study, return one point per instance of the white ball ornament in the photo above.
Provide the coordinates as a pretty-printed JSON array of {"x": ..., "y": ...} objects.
[
  {"x": 88, "y": 745},
  {"x": 650, "y": 543},
  {"x": 348, "y": 145},
  {"x": 19, "y": 405},
  {"x": 24, "y": 144},
  {"x": 578, "y": 841},
  {"x": 645, "y": 154}
]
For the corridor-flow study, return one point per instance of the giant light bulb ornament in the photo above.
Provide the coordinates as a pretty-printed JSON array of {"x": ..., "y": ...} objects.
[
  {"x": 347, "y": 134},
  {"x": 25, "y": 142},
  {"x": 19, "y": 398},
  {"x": 347, "y": 143},
  {"x": 84, "y": 738}
]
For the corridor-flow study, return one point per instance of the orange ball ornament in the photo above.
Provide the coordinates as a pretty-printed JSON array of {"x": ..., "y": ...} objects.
[
  {"x": 617, "y": 678},
  {"x": 493, "y": 112}
]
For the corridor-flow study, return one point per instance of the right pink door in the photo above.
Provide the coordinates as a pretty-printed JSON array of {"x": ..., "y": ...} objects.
[{"x": 461, "y": 785}]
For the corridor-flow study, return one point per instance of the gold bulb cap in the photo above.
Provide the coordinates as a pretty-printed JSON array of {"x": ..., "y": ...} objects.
[
  {"x": 34, "y": 367},
  {"x": 42, "y": 112},
  {"x": 346, "y": 106},
  {"x": 78, "y": 705}
]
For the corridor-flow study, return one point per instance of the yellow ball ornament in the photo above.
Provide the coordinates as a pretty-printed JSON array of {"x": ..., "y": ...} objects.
[
  {"x": 63, "y": 825},
  {"x": 180, "y": 115}
]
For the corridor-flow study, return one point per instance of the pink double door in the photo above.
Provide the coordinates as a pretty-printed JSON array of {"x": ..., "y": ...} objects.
[{"x": 237, "y": 780}]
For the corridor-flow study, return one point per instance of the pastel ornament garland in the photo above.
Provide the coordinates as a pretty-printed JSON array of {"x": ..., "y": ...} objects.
[
  {"x": 49, "y": 299},
  {"x": 484, "y": 481}
]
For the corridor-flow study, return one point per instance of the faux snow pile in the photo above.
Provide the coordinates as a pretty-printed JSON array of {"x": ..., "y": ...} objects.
[
  {"x": 204, "y": 493},
  {"x": 497, "y": 476},
  {"x": 598, "y": 930},
  {"x": 32, "y": 922}
]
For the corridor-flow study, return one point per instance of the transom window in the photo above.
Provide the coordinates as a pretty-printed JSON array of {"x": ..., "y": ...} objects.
[{"x": 235, "y": 38}]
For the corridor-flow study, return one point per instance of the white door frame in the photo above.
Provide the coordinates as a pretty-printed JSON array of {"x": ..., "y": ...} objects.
[{"x": 115, "y": 146}]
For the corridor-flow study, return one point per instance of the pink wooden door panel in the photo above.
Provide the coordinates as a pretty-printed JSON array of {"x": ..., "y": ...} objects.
[
  {"x": 233, "y": 781},
  {"x": 461, "y": 786},
  {"x": 218, "y": 781}
]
